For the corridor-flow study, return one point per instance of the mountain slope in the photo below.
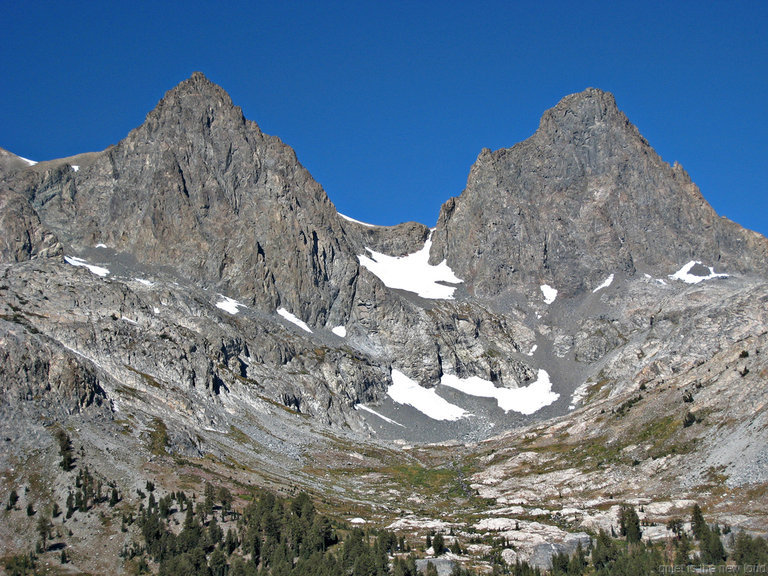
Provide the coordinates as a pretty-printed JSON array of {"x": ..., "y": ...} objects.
[
  {"x": 584, "y": 197},
  {"x": 202, "y": 190},
  {"x": 189, "y": 304}
]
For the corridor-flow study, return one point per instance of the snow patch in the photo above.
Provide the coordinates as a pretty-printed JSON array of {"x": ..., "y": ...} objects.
[
  {"x": 413, "y": 273},
  {"x": 358, "y": 221},
  {"x": 229, "y": 305},
  {"x": 607, "y": 282},
  {"x": 101, "y": 245},
  {"x": 425, "y": 400},
  {"x": 525, "y": 400},
  {"x": 30, "y": 162},
  {"x": 357, "y": 521},
  {"x": 372, "y": 411},
  {"x": 533, "y": 349},
  {"x": 75, "y": 168},
  {"x": 98, "y": 270},
  {"x": 294, "y": 320},
  {"x": 340, "y": 331},
  {"x": 549, "y": 293},
  {"x": 578, "y": 395},
  {"x": 685, "y": 275},
  {"x": 144, "y": 281}
]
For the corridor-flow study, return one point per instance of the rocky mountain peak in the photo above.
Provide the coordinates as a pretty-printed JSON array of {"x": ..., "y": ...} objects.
[
  {"x": 200, "y": 190},
  {"x": 584, "y": 197},
  {"x": 189, "y": 306},
  {"x": 589, "y": 107},
  {"x": 195, "y": 102}
]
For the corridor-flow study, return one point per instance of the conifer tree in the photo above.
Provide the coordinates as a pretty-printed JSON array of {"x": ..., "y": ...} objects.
[
  {"x": 629, "y": 524},
  {"x": 698, "y": 524}
]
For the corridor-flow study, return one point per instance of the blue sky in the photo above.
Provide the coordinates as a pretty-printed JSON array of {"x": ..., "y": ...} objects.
[{"x": 389, "y": 103}]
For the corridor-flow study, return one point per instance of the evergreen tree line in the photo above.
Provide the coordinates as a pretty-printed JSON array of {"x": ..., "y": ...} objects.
[{"x": 274, "y": 536}]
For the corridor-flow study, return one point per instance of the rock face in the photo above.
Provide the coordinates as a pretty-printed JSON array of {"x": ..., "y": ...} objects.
[
  {"x": 195, "y": 280},
  {"x": 22, "y": 235},
  {"x": 584, "y": 197},
  {"x": 202, "y": 190}
]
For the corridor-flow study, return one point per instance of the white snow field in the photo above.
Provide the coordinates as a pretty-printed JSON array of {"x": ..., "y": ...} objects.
[
  {"x": 358, "y": 221},
  {"x": 549, "y": 293},
  {"x": 578, "y": 395},
  {"x": 413, "y": 273},
  {"x": 525, "y": 400},
  {"x": 340, "y": 331},
  {"x": 425, "y": 400},
  {"x": 372, "y": 411},
  {"x": 685, "y": 275},
  {"x": 98, "y": 270},
  {"x": 229, "y": 305},
  {"x": 294, "y": 320},
  {"x": 607, "y": 282}
]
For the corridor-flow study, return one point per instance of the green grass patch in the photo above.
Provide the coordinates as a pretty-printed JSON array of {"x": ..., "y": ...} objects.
[
  {"x": 430, "y": 481},
  {"x": 658, "y": 430},
  {"x": 238, "y": 435},
  {"x": 147, "y": 377},
  {"x": 130, "y": 392},
  {"x": 158, "y": 437}
]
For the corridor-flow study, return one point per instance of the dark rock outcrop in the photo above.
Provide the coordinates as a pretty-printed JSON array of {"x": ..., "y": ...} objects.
[{"x": 22, "y": 235}]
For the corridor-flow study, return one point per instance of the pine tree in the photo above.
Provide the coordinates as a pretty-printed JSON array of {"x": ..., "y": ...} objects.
[
  {"x": 65, "y": 449},
  {"x": 629, "y": 524},
  {"x": 438, "y": 544},
  {"x": 44, "y": 529},
  {"x": 70, "y": 505},
  {"x": 218, "y": 563},
  {"x": 230, "y": 541},
  {"x": 604, "y": 552},
  {"x": 698, "y": 524},
  {"x": 712, "y": 551}
]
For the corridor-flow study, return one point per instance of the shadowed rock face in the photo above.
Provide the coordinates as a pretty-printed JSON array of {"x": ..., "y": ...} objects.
[
  {"x": 22, "y": 235},
  {"x": 199, "y": 188},
  {"x": 584, "y": 197}
]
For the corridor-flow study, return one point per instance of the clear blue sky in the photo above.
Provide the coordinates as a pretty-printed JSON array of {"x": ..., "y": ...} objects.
[{"x": 389, "y": 103}]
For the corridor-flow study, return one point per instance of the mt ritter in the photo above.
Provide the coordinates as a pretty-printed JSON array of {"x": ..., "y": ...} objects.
[{"x": 581, "y": 330}]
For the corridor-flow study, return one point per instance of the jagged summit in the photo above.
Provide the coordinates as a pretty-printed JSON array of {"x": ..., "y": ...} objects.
[
  {"x": 195, "y": 99},
  {"x": 584, "y": 197},
  {"x": 199, "y": 189},
  {"x": 189, "y": 306},
  {"x": 589, "y": 102}
]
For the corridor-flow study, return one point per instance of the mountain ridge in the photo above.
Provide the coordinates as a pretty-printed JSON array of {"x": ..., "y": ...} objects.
[
  {"x": 190, "y": 306},
  {"x": 608, "y": 199}
]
